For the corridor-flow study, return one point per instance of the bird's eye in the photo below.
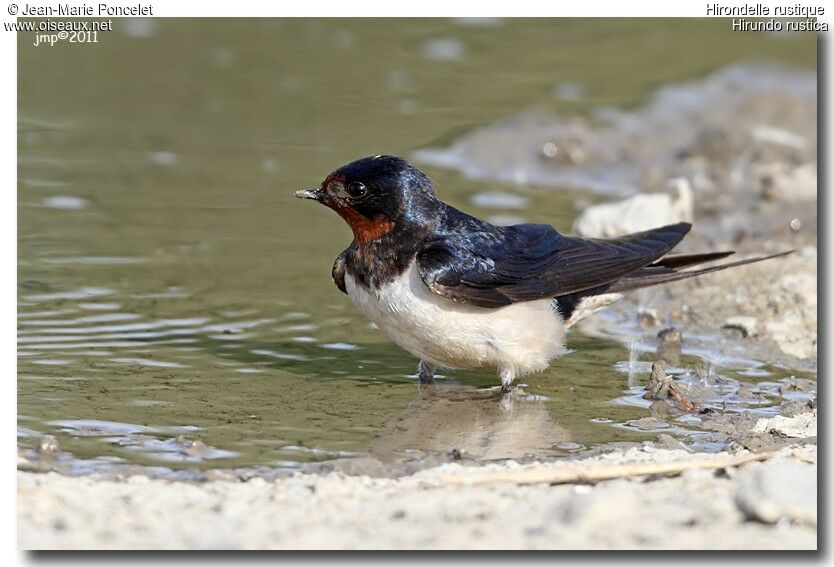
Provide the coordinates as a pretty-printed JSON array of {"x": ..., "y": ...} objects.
[{"x": 357, "y": 189}]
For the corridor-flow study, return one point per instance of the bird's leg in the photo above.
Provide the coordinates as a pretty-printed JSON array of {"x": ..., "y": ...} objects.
[
  {"x": 507, "y": 377},
  {"x": 425, "y": 372}
]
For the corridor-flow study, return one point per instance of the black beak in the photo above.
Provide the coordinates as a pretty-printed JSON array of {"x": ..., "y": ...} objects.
[{"x": 314, "y": 194}]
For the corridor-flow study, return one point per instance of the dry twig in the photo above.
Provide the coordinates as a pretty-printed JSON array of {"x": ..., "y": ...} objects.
[{"x": 574, "y": 474}]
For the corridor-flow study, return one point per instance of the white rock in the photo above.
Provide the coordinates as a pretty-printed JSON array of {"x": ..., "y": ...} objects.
[
  {"x": 789, "y": 332},
  {"x": 779, "y": 489},
  {"x": 640, "y": 212},
  {"x": 799, "y": 426}
]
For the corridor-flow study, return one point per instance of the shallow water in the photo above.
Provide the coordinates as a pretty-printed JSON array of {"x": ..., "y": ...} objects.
[{"x": 175, "y": 304}]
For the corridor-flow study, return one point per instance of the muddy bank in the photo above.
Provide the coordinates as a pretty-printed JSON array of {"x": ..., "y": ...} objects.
[
  {"x": 743, "y": 143},
  {"x": 767, "y": 310},
  {"x": 733, "y": 502}
]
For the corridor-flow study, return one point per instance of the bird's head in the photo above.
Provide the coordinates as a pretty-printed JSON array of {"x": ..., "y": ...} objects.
[{"x": 374, "y": 195}]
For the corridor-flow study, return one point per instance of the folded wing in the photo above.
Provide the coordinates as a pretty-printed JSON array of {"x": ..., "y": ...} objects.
[{"x": 527, "y": 262}]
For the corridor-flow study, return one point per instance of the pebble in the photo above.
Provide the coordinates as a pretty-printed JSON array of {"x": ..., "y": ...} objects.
[
  {"x": 669, "y": 349},
  {"x": 660, "y": 409},
  {"x": 777, "y": 490},
  {"x": 658, "y": 385},
  {"x": 648, "y": 318}
]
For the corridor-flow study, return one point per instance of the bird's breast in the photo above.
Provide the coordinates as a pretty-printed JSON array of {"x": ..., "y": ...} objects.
[{"x": 523, "y": 335}]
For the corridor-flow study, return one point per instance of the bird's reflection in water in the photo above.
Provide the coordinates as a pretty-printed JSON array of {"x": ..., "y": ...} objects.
[{"x": 480, "y": 424}]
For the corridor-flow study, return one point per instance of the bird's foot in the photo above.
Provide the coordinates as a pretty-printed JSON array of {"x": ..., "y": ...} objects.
[
  {"x": 507, "y": 377},
  {"x": 425, "y": 372}
]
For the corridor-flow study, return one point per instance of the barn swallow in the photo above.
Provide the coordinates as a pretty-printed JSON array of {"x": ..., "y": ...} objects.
[{"x": 458, "y": 292}]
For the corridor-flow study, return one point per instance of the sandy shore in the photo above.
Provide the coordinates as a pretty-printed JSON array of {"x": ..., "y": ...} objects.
[{"x": 757, "y": 505}]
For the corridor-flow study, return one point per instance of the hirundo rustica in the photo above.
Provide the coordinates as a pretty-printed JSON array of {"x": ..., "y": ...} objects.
[{"x": 458, "y": 292}]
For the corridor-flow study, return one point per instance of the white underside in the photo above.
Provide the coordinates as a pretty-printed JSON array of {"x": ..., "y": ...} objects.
[{"x": 514, "y": 340}]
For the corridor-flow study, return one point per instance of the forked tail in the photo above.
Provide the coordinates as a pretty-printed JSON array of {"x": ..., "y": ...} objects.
[{"x": 667, "y": 269}]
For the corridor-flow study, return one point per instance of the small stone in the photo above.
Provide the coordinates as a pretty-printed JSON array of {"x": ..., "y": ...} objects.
[
  {"x": 658, "y": 386},
  {"x": 660, "y": 409},
  {"x": 777, "y": 490},
  {"x": 748, "y": 326},
  {"x": 669, "y": 349},
  {"x": 648, "y": 318}
]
